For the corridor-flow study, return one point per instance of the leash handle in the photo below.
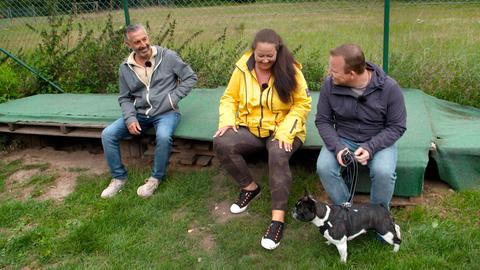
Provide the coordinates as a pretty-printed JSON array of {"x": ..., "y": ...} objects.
[
  {"x": 347, "y": 157},
  {"x": 350, "y": 174}
]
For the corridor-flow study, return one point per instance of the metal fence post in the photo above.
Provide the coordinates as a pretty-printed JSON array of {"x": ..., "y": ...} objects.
[
  {"x": 386, "y": 34},
  {"x": 125, "y": 10}
]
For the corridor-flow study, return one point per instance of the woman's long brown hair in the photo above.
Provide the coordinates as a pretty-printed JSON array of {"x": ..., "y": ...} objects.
[{"x": 283, "y": 69}]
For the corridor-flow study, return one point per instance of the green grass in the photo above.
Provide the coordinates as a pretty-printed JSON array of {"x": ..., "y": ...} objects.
[{"x": 127, "y": 232}]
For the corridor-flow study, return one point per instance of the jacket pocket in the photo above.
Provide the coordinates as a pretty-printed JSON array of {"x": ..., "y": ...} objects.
[
  {"x": 140, "y": 103},
  {"x": 170, "y": 100}
]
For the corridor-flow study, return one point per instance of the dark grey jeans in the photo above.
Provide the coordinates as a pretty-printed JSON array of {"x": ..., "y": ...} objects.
[{"x": 231, "y": 148}]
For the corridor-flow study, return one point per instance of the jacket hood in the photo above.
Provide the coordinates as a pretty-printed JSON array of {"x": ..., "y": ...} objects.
[
  {"x": 379, "y": 76},
  {"x": 160, "y": 51},
  {"x": 242, "y": 62}
]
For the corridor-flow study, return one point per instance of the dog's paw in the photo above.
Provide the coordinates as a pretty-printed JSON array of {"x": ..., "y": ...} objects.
[{"x": 328, "y": 243}]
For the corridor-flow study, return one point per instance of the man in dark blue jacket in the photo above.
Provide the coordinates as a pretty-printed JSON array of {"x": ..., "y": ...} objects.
[
  {"x": 152, "y": 81},
  {"x": 360, "y": 109}
]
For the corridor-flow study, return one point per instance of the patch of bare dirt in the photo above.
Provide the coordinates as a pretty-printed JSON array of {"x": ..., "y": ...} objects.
[
  {"x": 207, "y": 240},
  {"x": 20, "y": 178},
  {"x": 61, "y": 188},
  {"x": 74, "y": 160},
  {"x": 65, "y": 165},
  {"x": 219, "y": 183},
  {"x": 434, "y": 191},
  {"x": 221, "y": 212}
]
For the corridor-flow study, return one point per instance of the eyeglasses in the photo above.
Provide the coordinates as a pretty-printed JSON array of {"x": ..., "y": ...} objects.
[{"x": 269, "y": 58}]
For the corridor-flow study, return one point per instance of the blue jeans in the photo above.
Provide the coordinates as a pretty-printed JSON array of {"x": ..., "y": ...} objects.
[
  {"x": 164, "y": 125},
  {"x": 382, "y": 173}
]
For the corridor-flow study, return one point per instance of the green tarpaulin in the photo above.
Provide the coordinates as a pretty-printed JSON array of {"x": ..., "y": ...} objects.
[{"x": 453, "y": 128}]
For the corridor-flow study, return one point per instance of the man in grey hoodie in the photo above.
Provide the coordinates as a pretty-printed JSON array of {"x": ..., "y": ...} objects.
[
  {"x": 152, "y": 81},
  {"x": 361, "y": 110}
]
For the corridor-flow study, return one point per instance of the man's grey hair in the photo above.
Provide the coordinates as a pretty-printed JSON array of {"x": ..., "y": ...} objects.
[{"x": 134, "y": 28}]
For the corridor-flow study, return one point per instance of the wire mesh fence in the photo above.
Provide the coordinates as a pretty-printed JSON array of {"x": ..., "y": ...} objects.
[
  {"x": 434, "y": 45},
  {"x": 306, "y": 23}
]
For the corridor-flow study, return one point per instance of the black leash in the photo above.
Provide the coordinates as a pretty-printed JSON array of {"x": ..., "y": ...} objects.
[{"x": 350, "y": 174}]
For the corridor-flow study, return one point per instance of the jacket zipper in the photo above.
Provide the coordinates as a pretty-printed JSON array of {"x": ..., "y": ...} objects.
[
  {"x": 171, "y": 102},
  {"x": 261, "y": 112},
  {"x": 147, "y": 96},
  {"x": 271, "y": 101},
  {"x": 246, "y": 92},
  {"x": 148, "y": 87}
]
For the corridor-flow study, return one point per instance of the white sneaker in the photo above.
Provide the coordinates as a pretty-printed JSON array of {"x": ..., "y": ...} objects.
[
  {"x": 113, "y": 188},
  {"x": 147, "y": 189}
]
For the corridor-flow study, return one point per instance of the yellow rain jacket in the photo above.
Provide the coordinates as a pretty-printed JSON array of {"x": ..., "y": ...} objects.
[{"x": 244, "y": 103}]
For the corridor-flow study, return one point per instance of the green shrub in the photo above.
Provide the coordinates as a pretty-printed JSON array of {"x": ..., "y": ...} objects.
[
  {"x": 84, "y": 62},
  {"x": 9, "y": 83},
  {"x": 77, "y": 60}
]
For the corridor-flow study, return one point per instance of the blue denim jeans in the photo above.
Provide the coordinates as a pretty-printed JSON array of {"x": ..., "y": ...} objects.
[
  {"x": 164, "y": 125},
  {"x": 382, "y": 173}
]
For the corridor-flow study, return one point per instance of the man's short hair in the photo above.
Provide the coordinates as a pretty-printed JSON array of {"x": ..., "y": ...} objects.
[
  {"x": 134, "y": 28},
  {"x": 353, "y": 55}
]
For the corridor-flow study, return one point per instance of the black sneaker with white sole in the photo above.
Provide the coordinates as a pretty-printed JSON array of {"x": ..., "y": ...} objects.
[
  {"x": 274, "y": 234},
  {"x": 244, "y": 200}
]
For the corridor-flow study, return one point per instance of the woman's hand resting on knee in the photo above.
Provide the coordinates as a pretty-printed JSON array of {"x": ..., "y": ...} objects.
[
  {"x": 224, "y": 129},
  {"x": 284, "y": 145}
]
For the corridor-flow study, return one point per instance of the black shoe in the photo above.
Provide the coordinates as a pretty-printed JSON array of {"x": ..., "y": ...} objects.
[
  {"x": 274, "y": 234},
  {"x": 244, "y": 199}
]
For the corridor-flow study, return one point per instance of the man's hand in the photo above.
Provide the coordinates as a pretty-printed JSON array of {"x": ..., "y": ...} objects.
[
  {"x": 224, "y": 129},
  {"x": 362, "y": 155},
  {"x": 284, "y": 145},
  {"x": 134, "y": 128},
  {"x": 339, "y": 157}
]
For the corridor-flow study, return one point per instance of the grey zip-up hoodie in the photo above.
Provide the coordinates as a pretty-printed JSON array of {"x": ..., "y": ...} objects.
[
  {"x": 376, "y": 121},
  {"x": 172, "y": 80}
]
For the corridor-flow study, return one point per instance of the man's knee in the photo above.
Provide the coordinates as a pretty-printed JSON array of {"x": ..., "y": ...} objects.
[
  {"x": 108, "y": 134},
  {"x": 383, "y": 172},
  {"x": 323, "y": 167},
  {"x": 163, "y": 138},
  {"x": 325, "y": 164}
]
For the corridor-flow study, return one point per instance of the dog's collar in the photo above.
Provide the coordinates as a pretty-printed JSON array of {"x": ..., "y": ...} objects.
[{"x": 319, "y": 222}]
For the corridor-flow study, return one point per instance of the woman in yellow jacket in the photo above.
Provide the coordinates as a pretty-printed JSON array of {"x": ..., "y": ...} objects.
[{"x": 265, "y": 106}]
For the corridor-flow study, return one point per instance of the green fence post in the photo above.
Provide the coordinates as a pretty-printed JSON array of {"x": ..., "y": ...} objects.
[
  {"x": 386, "y": 34},
  {"x": 125, "y": 10}
]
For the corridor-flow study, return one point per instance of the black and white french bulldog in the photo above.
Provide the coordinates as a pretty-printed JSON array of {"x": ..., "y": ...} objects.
[{"x": 338, "y": 224}]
